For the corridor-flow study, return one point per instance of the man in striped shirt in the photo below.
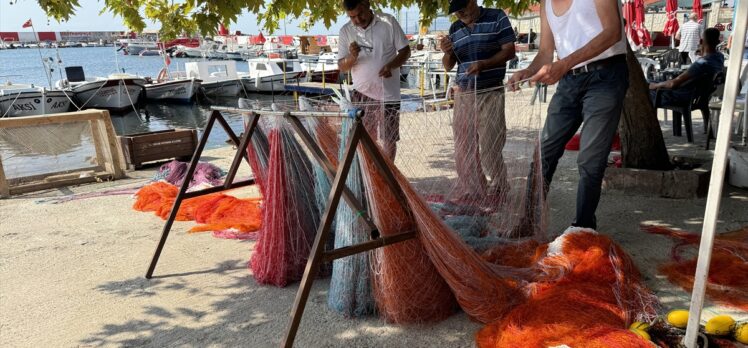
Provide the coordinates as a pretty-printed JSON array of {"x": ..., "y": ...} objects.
[
  {"x": 480, "y": 43},
  {"x": 689, "y": 36}
]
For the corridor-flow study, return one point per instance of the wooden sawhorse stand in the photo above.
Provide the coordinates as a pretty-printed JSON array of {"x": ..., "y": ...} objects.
[{"x": 339, "y": 189}]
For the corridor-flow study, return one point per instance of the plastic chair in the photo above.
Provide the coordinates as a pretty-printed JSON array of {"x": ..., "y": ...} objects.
[
  {"x": 648, "y": 67},
  {"x": 698, "y": 100}
]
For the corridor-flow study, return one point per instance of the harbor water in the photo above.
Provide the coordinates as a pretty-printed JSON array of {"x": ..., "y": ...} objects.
[{"x": 24, "y": 66}]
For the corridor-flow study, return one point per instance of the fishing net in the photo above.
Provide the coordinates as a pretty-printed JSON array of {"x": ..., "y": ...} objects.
[
  {"x": 28, "y": 152},
  {"x": 468, "y": 185},
  {"x": 290, "y": 214},
  {"x": 227, "y": 215},
  {"x": 727, "y": 282}
]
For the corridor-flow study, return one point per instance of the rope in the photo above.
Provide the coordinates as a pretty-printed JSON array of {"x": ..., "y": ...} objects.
[
  {"x": 93, "y": 95},
  {"x": 127, "y": 91},
  {"x": 71, "y": 100},
  {"x": 11, "y": 104}
]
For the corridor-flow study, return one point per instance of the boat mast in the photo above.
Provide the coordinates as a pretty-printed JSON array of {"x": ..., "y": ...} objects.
[{"x": 39, "y": 49}]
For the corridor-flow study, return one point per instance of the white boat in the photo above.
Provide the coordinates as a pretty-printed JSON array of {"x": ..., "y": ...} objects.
[
  {"x": 188, "y": 52},
  {"x": 29, "y": 100},
  {"x": 325, "y": 64},
  {"x": 219, "y": 78},
  {"x": 180, "y": 89},
  {"x": 116, "y": 92},
  {"x": 135, "y": 46},
  {"x": 270, "y": 74},
  {"x": 149, "y": 53}
]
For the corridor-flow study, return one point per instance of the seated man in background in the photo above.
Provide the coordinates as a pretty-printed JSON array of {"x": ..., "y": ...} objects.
[{"x": 678, "y": 90}]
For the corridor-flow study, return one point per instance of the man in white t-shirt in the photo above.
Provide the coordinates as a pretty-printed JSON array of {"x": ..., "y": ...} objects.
[
  {"x": 373, "y": 47},
  {"x": 689, "y": 36}
]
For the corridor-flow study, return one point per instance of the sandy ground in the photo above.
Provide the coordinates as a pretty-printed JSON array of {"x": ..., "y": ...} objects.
[{"x": 72, "y": 274}]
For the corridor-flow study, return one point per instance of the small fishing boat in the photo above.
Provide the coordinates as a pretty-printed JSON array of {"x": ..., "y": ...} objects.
[
  {"x": 219, "y": 78},
  {"x": 172, "y": 87},
  {"x": 326, "y": 64},
  {"x": 270, "y": 74},
  {"x": 29, "y": 100},
  {"x": 116, "y": 92}
]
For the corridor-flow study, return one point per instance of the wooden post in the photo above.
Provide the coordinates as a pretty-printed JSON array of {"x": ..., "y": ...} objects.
[
  {"x": 717, "y": 179},
  {"x": 4, "y": 189},
  {"x": 318, "y": 254},
  {"x": 323, "y": 234},
  {"x": 323, "y": 75},
  {"x": 99, "y": 146},
  {"x": 329, "y": 170},
  {"x": 215, "y": 116}
]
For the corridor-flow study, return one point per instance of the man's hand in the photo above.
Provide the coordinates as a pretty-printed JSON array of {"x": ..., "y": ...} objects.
[
  {"x": 445, "y": 44},
  {"x": 653, "y": 85},
  {"x": 354, "y": 50},
  {"x": 385, "y": 71},
  {"x": 551, "y": 73},
  {"x": 518, "y": 76},
  {"x": 475, "y": 68}
]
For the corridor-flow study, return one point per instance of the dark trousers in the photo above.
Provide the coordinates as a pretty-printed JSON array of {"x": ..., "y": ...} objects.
[
  {"x": 684, "y": 59},
  {"x": 593, "y": 100}
]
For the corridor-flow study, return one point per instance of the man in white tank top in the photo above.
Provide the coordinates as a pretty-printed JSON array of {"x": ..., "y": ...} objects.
[{"x": 592, "y": 77}]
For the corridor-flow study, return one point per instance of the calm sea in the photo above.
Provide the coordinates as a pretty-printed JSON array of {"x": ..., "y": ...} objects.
[{"x": 20, "y": 152}]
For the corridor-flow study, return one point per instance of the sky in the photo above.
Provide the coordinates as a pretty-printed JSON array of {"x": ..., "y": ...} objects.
[{"x": 87, "y": 18}]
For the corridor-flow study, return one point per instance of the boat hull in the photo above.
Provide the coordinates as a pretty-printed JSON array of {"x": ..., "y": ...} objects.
[
  {"x": 180, "y": 90},
  {"x": 226, "y": 88},
  {"x": 34, "y": 103},
  {"x": 274, "y": 83},
  {"x": 113, "y": 94}
]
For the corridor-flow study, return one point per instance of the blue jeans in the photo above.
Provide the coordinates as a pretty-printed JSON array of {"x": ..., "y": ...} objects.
[{"x": 594, "y": 99}]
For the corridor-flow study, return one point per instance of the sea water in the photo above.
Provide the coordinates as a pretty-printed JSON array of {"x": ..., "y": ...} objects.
[{"x": 24, "y": 66}]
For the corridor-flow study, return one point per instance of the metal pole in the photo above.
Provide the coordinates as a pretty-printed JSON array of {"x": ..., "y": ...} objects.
[{"x": 718, "y": 175}]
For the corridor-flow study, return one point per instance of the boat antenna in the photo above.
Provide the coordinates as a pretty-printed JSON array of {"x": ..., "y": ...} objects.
[
  {"x": 59, "y": 61},
  {"x": 116, "y": 60},
  {"x": 39, "y": 48}
]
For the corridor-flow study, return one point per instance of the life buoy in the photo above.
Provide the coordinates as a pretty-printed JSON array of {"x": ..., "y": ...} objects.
[{"x": 162, "y": 75}]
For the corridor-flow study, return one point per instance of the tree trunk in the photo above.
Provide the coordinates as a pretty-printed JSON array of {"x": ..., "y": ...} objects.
[{"x": 642, "y": 144}]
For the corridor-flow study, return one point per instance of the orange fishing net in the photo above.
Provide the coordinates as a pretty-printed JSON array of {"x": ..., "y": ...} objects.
[
  {"x": 401, "y": 270},
  {"x": 587, "y": 292},
  {"x": 728, "y": 270},
  {"x": 216, "y": 211}
]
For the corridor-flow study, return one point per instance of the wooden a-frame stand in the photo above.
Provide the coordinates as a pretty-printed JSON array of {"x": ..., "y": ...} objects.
[{"x": 318, "y": 255}]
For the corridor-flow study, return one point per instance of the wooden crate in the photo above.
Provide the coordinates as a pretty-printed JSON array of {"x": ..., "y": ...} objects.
[
  {"x": 160, "y": 145},
  {"x": 109, "y": 164}
]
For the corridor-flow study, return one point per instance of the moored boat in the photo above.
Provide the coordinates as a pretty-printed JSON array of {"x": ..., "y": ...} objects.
[
  {"x": 116, "y": 92},
  {"x": 29, "y": 100}
]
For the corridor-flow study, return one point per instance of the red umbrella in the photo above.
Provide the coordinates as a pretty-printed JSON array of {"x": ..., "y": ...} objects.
[
  {"x": 697, "y": 9},
  {"x": 630, "y": 16},
  {"x": 257, "y": 40},
  {"x": 642, "y": 33},
  {"x": 671, "y": 26}
]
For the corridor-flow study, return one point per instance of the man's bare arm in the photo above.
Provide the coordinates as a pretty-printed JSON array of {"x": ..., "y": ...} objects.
[
  {"x": 672, "y": 84},
  {"x": 610, "y": 20},
  {"x": 547, "y": 45}
]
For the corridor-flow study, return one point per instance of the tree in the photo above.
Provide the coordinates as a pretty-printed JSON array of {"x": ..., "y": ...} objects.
[
  {"x": 642, "y": 141},
  {"x": 204, "y": 16}
]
